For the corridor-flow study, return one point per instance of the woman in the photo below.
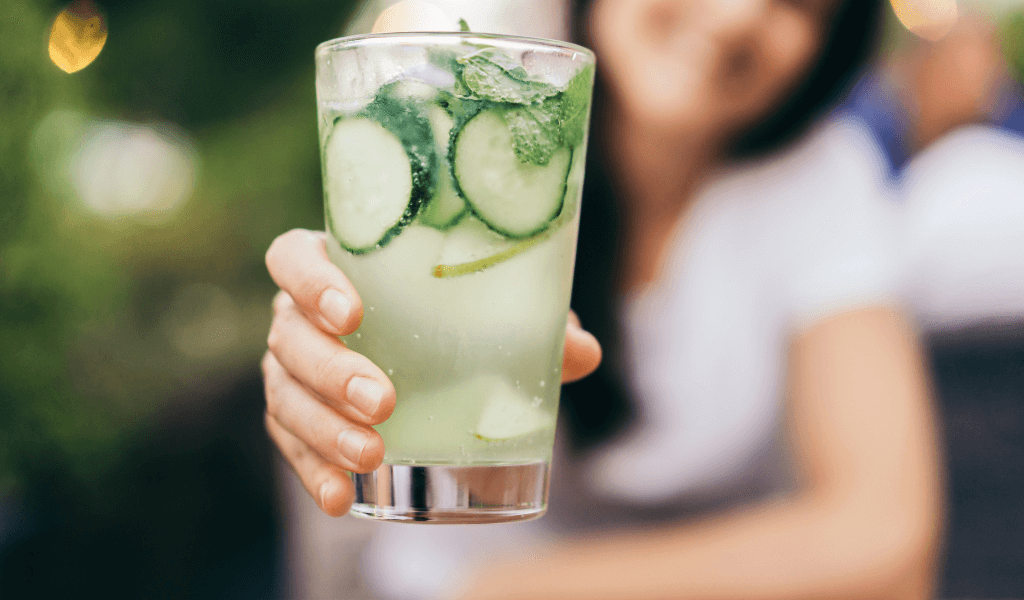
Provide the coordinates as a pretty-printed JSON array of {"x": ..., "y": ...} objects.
[{"x": 783, "y": 440}]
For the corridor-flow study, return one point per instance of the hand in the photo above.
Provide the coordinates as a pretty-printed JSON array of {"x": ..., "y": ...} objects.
[{"x": 323, "y": 398}]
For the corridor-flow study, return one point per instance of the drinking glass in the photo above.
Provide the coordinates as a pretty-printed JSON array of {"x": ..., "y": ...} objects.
[{"x": 452, "y": 170}]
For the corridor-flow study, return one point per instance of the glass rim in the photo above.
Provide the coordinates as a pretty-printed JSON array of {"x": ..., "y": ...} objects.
[{"x": 370, "y": 39}]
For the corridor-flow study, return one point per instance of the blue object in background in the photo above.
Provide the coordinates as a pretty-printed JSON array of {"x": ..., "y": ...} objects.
[{"x": 874, "y": 101}]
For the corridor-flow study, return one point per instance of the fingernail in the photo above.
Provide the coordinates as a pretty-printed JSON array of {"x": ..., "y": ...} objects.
[
  {"x": 365, "y": 394},
  {"x": 335, "y": 307},
  {"x": 351, "y": 443},
  {"x": 326, "y": 489}
]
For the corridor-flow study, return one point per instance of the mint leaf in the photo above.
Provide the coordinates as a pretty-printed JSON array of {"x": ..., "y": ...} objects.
[
  {"x": 540, "y": 129},
  {"x": 493, "y": 75},
  {"x": 461, "y": 90},
  {"x": 575, "y": 106},
  {"x": 463, "y": 26},
  {"x": 542, "y": 118},
  {"x": 498, "y": 58},
  {"x": 535, "y": 131},
  {"x": 459, "y": 108}
]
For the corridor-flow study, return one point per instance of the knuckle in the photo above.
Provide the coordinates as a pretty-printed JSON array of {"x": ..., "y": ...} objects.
[
  {"x": 330, "y": 372},
  {"x": 312, "y": 289},
  {"x": 266, "y": 365},
  {"x": 296, "y": 236},
  {"x": 279, "y": 248},
  {"x": 272, "y": 401},
  {"x": 268, "y": 424},
  {"x": 281, "y": 301},
  {"x": 274, "y": 336},
  {"x": 272, "y": 394},
  {"x": 315, "y": 239},
  {"x": 275, "y": 249}
]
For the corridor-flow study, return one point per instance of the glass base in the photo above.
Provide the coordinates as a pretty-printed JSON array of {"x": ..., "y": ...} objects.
[{"x": 452, "y": 494}]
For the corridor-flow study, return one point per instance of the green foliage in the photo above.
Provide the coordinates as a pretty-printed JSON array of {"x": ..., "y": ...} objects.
[
  {"x": 88, "y": 352},
  {"x": 1012, "y": 35},
  {"x": 50, "y": 286}
]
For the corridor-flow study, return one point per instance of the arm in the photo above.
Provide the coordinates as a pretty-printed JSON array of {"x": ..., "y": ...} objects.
[{"x": 864, "y": 524}]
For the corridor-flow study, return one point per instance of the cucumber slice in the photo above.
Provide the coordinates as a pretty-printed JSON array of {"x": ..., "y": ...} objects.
[
  {"x": 516, "y": 199},
  {"x": 369, "y": 184},
  {"x": 379, "y": 169},
  {"x": 446, "y": 208},
  {"x": 508, "y": 414}
]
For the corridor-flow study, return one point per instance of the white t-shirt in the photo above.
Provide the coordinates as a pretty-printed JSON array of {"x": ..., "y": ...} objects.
[
  {"x": 770, "y": 248},
  {"x": 963, "y": 230}
]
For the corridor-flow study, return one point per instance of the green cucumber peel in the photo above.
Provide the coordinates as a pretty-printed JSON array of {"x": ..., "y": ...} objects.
[
  {"x": 406, "y": 121},
  {"x": 445, "y": 271},
  {"x": 540, "y": 116}
]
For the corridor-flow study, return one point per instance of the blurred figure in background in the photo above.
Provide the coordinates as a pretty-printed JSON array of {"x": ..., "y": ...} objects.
[
  {"x": 929, "y": 88},
  {"x": 961, "y": 198},
  {"x": 949, "y": 113},
  {"x": 736, "y": 261},
  {"x": 951, "y": 119}
]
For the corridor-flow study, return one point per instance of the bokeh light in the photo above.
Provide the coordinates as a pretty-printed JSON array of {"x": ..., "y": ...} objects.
[
  {"x": 78, "y": 35},
  {"x": 123, "y": 169},
  {"x": 414, "y": 15},
  {"x": 929, "y": 19}
]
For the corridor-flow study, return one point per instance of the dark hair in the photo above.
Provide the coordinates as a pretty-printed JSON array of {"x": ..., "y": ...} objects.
[{"x": 598, "y": 406}]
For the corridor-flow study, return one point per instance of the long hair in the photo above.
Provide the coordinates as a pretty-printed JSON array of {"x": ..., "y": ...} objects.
[{"x": 598, "y": 406}]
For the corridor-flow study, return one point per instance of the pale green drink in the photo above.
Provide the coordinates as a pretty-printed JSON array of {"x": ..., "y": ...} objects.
[{"x": 453, "y": 167}]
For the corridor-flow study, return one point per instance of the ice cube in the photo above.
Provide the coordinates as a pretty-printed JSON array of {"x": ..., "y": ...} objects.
[
  {"x": 432, "y": 75},
  {"x": 555, "y": 69}
]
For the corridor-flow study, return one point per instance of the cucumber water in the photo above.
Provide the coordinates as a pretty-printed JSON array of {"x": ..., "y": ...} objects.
[{"x": 452, "y": 203}]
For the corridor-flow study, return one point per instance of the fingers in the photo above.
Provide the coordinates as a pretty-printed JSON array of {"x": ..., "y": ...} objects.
[
  {"x": 347, "y": 381},
  {"x": 338, "y": 440},
  {"x": 327, "y": 484},
  {"x": 582, "y": 352},
  {"x": 298, "y": 263}
]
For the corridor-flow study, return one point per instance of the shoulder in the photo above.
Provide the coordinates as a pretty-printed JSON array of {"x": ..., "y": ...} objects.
[
  {"x": 963, "y": 219},
  {"x": 837, "y": 160},
  {"x": 819, "y": 217},
  {"x": 829, "y": 189},
  {"x": 971, "y": 160}
]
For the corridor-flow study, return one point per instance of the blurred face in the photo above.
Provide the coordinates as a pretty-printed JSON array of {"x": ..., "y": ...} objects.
[{"x": 706, "y": 68}]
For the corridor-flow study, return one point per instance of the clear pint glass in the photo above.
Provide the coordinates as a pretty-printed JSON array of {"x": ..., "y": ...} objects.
[{"x": 452, "y": 170}]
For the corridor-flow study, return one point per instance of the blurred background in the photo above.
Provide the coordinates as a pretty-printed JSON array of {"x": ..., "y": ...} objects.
[{"x": 149, "y": 157}]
